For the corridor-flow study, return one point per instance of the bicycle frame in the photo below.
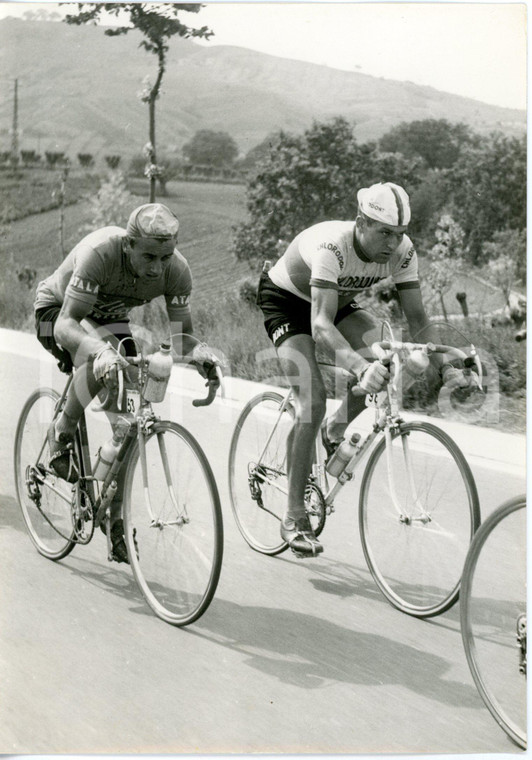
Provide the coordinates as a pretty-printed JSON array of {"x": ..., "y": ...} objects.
[
  {"x": 101, "y": 496},
  {"x": 387, "y": 421}
]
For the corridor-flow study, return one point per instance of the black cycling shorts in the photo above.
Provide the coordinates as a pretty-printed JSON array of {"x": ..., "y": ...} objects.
[
  {"x": 45, "y": 319},
  {"x": 286, "y": 314}
]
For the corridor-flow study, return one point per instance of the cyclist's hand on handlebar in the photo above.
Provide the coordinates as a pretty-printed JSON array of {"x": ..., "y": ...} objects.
[
  {"x": 455, "y": 378},
  {"x": 206, "y": 362},
  {"x": 374, "y": 377},
  {"x": 106, "y": 364}
]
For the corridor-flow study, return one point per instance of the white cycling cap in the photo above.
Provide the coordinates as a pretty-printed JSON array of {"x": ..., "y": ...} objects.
[
  {"x": 152, "y": 220},
  {"x": 385, "y": 202}
]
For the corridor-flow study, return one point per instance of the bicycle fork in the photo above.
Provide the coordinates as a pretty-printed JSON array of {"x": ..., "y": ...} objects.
[
  {"x": 182, "y": 517},
  {"x": 422, "y": 516}
]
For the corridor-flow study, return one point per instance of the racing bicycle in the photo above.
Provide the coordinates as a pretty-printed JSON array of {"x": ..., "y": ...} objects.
[
  {"x": 418, "y": 503},
  {"x": 493, "y": 615},
  {"x": 171, "y": 508}
]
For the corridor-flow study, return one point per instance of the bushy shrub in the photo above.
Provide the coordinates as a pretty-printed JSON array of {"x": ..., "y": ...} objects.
[
  {"x": 247, "y": 290},
  {"x": 112, "y": 204}
]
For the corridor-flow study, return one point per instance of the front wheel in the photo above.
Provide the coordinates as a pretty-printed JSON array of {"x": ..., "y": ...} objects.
[
  {"x": 44, "y": 499},
  {"x": 418, "y": 512},
  {"x": 173, "y": 523},
  {"x": 493, "y": 615}
]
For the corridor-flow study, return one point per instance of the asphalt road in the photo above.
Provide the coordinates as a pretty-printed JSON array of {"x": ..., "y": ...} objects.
[{"x": 291, "y": 657}]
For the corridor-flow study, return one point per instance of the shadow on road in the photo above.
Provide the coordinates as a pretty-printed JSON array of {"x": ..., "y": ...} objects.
[
  {"x": 10, "y": 514},
  {"x": 311, "y": 652}
]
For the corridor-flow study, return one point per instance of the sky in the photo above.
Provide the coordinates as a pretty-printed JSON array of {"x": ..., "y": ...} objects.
[{"x": 474, "y": 49}]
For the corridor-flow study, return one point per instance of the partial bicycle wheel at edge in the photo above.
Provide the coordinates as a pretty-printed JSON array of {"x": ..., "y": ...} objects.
[
  {"x": 493, "y": 615},
  {"x": 416, "y": 546},
  {"x": 44, "y": 499},
  {"x": 175, "y": 550}
]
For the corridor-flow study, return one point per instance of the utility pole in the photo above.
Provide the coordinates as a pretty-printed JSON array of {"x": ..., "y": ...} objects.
[{"x": 14, "y": 138}]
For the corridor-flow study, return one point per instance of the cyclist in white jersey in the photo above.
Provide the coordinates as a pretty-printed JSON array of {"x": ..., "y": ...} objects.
[
  {"x": 307, "y": 299},
  {"x": 81, "y": 314}
]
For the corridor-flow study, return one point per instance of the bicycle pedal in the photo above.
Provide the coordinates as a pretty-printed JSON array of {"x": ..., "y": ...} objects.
[{"x": 305, "y": 555}]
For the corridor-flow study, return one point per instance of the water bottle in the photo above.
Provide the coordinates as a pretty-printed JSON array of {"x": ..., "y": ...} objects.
[
  {"x": 107, "y": 454},
  {"x": 343, "y": 454},
  {"x": 159, "y": 370}
]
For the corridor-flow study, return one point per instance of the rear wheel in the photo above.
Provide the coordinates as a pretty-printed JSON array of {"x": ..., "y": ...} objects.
[
  {"x": 44, "y": 499},
  {"x": 173, "y": 527},
  {"x": 258, "y": 481}
]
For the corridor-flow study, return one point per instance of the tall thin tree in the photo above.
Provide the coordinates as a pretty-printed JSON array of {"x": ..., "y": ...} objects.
[{"x": 157, "y": 22}]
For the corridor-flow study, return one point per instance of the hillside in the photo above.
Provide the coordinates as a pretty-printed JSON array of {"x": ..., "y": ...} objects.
[{"x": 78, "y": 92}]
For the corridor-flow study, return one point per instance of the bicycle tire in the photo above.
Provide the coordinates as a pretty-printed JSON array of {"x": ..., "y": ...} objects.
[
  {"x": 406, "y": 548},
  {"x": 177, "y": 562},
  {"x": 488, "y": 622},
  {"x": 50, "y": 527},
  {"x": 259, "y": 526}
]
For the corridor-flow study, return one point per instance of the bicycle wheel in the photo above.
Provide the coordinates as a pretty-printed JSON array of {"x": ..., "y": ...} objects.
[
  {"x": 257, "y": 474},
  {"x": 416, "y": 529},
  {"x": 493, "y": 615},
  {"x": 45, "y": 499},
  {"x": 175, "y": 550}
]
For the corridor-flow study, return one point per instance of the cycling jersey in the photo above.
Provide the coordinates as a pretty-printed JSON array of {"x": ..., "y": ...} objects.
[
  {"x": 98, "y": 273},
  {"x": 327, "y": 255}
]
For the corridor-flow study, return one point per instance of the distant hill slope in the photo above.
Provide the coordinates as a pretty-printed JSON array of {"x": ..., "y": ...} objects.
[{"x": 78, "y": 92}]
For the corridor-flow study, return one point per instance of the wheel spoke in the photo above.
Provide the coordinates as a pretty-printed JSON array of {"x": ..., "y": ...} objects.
[
  {"x": 417, "y": 559},
  {"x": 257, "y": 471},
  {"x": 45, "y": 502},
  {"x": 176, "y": 556}
]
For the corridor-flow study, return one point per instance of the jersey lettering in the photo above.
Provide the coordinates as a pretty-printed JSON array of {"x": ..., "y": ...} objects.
[
  {"x": 357, "y": 282},
  {"x": 408, "y": 258},
  {"x": 85, "y": 285},
  {"x": 180, "y": 300},
  {"x": 332, "y": 247},
  {"x": 281, "y": 330}
]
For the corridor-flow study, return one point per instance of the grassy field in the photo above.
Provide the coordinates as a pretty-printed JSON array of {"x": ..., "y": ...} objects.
[
  {"x": 33, "y": 191},
  {"x": 207, "y": 213}
]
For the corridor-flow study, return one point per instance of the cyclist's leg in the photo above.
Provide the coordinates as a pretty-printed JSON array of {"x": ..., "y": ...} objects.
[
  {"x": 287, "y": 322},
  {"x": 85, "y": 386},
  {"x": 360, "y": 330},
  {"x": 298, "y": 362},
  {"x": 62, "y": 458}
]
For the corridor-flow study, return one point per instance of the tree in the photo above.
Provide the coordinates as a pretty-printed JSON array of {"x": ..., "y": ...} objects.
[
  {"x": 488, "y": 190},
  {"x": 437, "y": 141},
  {"x": 211, "y": 148},
  {"x": 157, "y": 22},
  {"x": 445, "y": 259},
  {"x": 506, "y": 256},
  {"x": 113, "y": 161},
  {"x": 305, "y": 179},
  {"x": 54, "y": 158},
  {"x": 86, "y": 160},
  {"x": 257, "y": 154}
]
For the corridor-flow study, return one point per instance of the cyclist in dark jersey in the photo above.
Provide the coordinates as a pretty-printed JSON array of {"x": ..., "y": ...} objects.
[
  {"x": 81, "y": 314},
  {"x": 308, "y": 298}
]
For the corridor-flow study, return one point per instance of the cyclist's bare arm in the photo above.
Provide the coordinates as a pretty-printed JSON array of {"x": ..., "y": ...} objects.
[
  {"x": 323, "y": 311},
  {"x": 70, "y": 333},
  {"x": 181, "y": 329},
  {"x": 414, "y": 310},
  {"x": 421, "y": 328}
]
